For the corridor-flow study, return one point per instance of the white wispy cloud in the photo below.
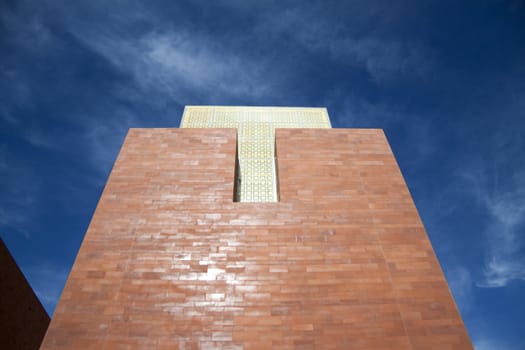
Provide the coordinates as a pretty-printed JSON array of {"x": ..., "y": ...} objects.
[
  {"x": 384, "y": 57},
  {"x": 490, "y": 344},
  {"x": 180, "y": 65},
  {"x": 500, "y": 270},
  {"x": 494, "y": 178},
  {"x": 504, "y": 201}
]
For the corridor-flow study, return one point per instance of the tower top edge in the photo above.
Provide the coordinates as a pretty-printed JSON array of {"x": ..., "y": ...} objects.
[
  {"x": 244, "y": 114},
  {"x": 250, "y": 107}
]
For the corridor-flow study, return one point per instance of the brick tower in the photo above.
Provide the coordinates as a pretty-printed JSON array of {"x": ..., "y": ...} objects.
[{"x": 256, "y": 228}]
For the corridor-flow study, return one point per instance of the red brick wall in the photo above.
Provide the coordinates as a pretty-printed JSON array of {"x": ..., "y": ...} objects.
[
  {"x": 23, "y": 320},
  {"x": 342, "y": 261}
]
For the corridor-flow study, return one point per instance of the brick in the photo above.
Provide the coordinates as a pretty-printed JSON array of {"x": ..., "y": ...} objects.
[{"x": 341, "y": 261}]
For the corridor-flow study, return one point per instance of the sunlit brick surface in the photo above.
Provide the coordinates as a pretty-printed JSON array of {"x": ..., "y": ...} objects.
[{"x": 341, "y": 262}]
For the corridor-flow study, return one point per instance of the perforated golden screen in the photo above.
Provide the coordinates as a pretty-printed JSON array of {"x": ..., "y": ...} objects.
[{"x": 257, "y": 180}]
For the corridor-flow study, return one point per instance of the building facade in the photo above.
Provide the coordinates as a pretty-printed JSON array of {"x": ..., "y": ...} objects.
[
  {"x": 23, "y": 319},
  {"x": 256, "y": 228}
]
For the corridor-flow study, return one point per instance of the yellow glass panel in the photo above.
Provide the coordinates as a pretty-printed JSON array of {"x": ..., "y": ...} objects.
[{"x": 255, "y": 140}]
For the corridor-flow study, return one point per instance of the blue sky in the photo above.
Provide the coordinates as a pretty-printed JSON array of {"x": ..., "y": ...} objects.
[{"x": 444, "y": 79}]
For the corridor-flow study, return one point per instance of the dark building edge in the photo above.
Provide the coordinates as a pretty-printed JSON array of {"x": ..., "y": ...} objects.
[{"x": 23, "y": 319}]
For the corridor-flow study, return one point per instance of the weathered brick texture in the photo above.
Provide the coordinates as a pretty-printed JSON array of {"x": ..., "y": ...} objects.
[{"x": 341, "y": 262}]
